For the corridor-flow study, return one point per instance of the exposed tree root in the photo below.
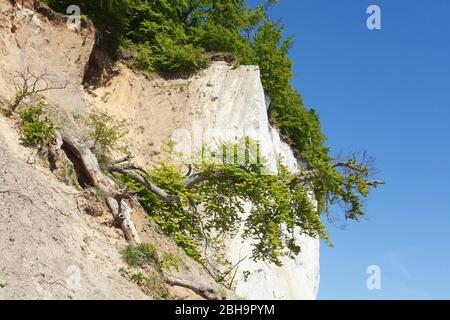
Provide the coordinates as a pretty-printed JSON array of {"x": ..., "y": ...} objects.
[{"x": 120, "y": 209}]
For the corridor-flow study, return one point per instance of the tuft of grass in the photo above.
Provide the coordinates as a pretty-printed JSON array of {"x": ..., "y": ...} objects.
[
  {"x": 151, "y": 284},
  {"x": 172, "y": 261},
  {"x": 141, "y": 255}
]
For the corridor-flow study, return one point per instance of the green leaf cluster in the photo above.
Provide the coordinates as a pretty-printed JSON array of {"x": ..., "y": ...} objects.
[
  {"x": 36, "y": 128},
  {"x": 104, "y": 131},
  {"x": 214, "y": 209},
  {"x": 140, "y": 255}
]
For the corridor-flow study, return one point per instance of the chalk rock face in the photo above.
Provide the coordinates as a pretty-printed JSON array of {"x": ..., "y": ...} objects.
[
  {"x": 217, "y": 105},
  {"x": 232, "y": 104}
]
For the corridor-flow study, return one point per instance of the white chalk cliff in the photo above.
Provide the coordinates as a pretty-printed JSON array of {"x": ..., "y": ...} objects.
[
  {"x": 232, "y": 104},
  {"x": 219, "y": 104}
]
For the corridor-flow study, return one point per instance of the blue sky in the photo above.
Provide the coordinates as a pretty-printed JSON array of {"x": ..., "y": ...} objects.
[{"x": 388, "y": 92}]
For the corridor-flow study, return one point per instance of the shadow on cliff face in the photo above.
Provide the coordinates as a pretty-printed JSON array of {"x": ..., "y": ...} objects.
[{"x": 100, "y": 68}]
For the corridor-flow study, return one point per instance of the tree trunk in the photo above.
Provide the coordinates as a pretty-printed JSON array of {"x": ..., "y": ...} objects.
[
  {"x": 205, "y": 292},
  {"x": 91, "y": 169}
]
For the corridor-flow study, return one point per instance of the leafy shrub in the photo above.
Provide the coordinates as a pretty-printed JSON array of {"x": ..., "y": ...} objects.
[
  {"x": 36, "y": 128},
  {"x": 140, "y": 255},
  {"x": 105, "y": 132},
  {"x": 152, "y": 284},
  {"x": 172, "y": 261},
  {"x": 213, "y": 38},
  {"x": 145, "y": 255}
]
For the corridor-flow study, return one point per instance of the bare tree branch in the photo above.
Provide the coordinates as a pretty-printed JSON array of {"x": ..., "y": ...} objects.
[
  {"x": 197, "y": 178},
  {"x": 29, "y": 83},
  {"x": 349, "y": 165},
  {"x": 122, "y": 160},
  {"x": 375, "y": 184},
  {"x": 142, "y": 180},
  {"x": 134, "y": 166}
]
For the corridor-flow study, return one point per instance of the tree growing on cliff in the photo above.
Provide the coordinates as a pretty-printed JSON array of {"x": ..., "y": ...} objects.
[
  {"x": 174, "y": 36},
  {"x": 207, "y": 205}
]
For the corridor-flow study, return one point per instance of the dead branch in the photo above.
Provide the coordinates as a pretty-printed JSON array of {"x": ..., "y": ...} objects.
[
  {"x": 189, "y": 171},
  {"x": 134, "y": 166},
  {"x": 122, "y": 160},
  {"x": 29, "y": 83},
  {"x": 235, "y": 268},
  {"x": 349, "y": 165},
  {"x": 89, "y": 164},
  {"x": 9, "y": 191},
  {"x": 203, "y": 291},
  {"x": 375, "y": 184}
]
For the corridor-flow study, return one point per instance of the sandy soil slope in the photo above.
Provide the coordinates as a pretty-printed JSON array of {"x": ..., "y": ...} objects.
[{"x": 49, "y": 249}]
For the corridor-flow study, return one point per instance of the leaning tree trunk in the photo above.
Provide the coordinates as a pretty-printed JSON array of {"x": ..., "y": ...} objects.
[
  {"x": 203, "y": 291},
  {"x": 91, "y": 169}
]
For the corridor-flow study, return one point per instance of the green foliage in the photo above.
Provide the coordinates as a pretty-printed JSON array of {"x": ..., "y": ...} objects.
[
  {"x": 140, "y": 255},
  {"x": 109, "y": 16},
  {"x": 151, "y": 284},
  {"x": 215, "y": 38},
  {"x": 167, "y": 56},
  {"x": 36, "y": 128},
  {"x": 17, "y": 99},
  {"x": 301, "y": 127},
  {"x": 270, "y": 53},
  {"x": 105, "y": 132},
  {"x": 172, "y": 36},
  {"x": 143, "y": 256},
  {"x": 213, "y": 209},
  {"x": 181, "y": 225},
  {"x": 172, "y": 261}
]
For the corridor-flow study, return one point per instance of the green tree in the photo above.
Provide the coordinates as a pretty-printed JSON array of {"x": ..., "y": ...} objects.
[
  {"x": 175, "y": 37},
  {"x": 105, "y": 132},
  {"x": 109, "y": 16}
]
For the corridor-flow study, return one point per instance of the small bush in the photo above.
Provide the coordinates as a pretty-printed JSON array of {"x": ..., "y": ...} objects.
[
  {"x": 172, "y": 261},
  {"x": 140, "y": 255},
  {"x": 36, "y": 128},
  {"x": 151, "y": 284},
  {"x": 105, "y": 132}
]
